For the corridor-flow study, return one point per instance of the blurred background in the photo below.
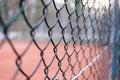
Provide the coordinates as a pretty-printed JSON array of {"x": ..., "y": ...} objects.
[{"x": 34, "y": 13}]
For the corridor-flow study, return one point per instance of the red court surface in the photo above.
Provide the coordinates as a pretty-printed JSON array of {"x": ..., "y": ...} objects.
[{"x": 32, "y": 57}]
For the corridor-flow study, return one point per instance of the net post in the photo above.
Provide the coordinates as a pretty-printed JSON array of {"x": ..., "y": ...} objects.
[{"x": 115, "y": 40}]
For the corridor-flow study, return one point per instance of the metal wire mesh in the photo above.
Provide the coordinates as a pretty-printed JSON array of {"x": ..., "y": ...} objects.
[{"x": 68, "y": 39}]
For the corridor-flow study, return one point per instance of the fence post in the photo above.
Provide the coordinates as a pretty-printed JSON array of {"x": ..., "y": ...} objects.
[{"x": 115, "y": 41}]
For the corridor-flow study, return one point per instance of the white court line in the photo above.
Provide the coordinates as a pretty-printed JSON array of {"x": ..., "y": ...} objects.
[{"x": 90, "y": 64}]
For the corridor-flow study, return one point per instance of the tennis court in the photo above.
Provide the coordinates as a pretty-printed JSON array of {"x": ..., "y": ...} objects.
[{"x": 67, "y": 67}]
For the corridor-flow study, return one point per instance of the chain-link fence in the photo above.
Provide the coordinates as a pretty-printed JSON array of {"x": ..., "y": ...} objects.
[{"x": 55, "y": 39}]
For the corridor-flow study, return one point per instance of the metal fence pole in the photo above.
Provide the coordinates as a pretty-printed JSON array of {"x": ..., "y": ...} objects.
[{"x": 115, "y": 40}]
